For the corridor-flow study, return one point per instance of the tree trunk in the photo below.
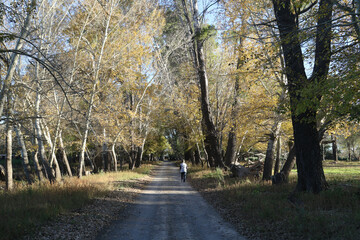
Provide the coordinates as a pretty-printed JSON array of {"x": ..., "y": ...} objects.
[
  {"x": 238, "y": 153},
  {"x": 334, "y": 148},
  {"x": 132, "y": 163},
  {"x": 113, "y": 152},
  {"x": 24, "y": 154},
  {"x": 270, "y": 152},
  {"x": 104, "y": 154},
  {"x": 105, "y": 158},
  {"x": 289, "y": 163},
  {"x": 139, "y": 155},
  {"x": 192, "y": 157},
  {"x": 187, "y": 154},
  {"x": 349, "y": 151},
  {"x": 209, "y": 155},
  {"x": 311, "y": 176},
  {"x": 132, "y": 158},
  {"x": 64, "y": 156},
  {"x": 37, "y": 165},
  {"x": 283, "y": 176},
  {"x": 142, "y": 151},
  {"x": 231, "y": 145},
  {"x": 210, "y": 132},
  {"x": 41, "y": 154},
  {"x": 322, "y": 150},
  {"x": 197, "y": 156},
  {"x": 38, "y": 134},
  {"x": 97, "y": 65},
  {"x": 54, "y": 164},
  {"x": 269, "y": 159},
  {"x": 121, "y": 161},
  {"x": 85, "y": 135},
  {"x": 2, "y": 173},
  {"x": 14, "y": 57},
  {"x": 278, "y": 155},
  {"x": 206, "y": 154},
  {"x": 9, "y": 168},
  {"x": 230, "y": 149}
]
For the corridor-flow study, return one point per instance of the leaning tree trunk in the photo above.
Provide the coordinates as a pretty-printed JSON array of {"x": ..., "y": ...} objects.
[{"x": 311, "y": 176}]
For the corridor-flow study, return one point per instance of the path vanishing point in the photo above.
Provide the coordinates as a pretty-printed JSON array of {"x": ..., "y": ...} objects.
[{"x": 170, "y": 209}]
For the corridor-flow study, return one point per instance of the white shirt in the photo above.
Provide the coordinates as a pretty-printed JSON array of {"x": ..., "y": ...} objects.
[{"x": 183, "y": 167}]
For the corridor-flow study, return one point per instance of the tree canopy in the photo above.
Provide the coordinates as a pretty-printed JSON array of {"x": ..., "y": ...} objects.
[{"x": 89, "y": 85}]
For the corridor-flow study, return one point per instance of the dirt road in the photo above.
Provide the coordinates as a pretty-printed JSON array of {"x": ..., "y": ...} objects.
[{"x": 170, "y": 209}]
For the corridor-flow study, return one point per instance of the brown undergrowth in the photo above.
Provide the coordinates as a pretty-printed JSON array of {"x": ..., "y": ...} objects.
[
  {"x": 73, "y": 209},
  {"x": 262, "y": 211}
]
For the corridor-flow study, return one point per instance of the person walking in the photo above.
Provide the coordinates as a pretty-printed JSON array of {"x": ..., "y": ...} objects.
[{"x": 183, "y": 171}]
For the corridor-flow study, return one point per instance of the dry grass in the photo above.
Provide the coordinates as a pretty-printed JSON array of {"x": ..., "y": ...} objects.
[
  {"x": 263, "y": 211},
  {"x": 27, "y": 207}
]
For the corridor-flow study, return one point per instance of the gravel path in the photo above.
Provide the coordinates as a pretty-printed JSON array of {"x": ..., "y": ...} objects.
[{"x": 169, "y": 209}]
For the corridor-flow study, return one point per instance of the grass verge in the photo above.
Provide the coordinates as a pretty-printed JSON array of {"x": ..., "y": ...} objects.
[
  {"x": 23, "y": 210},
  {"x": 262, "y": 211}
]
